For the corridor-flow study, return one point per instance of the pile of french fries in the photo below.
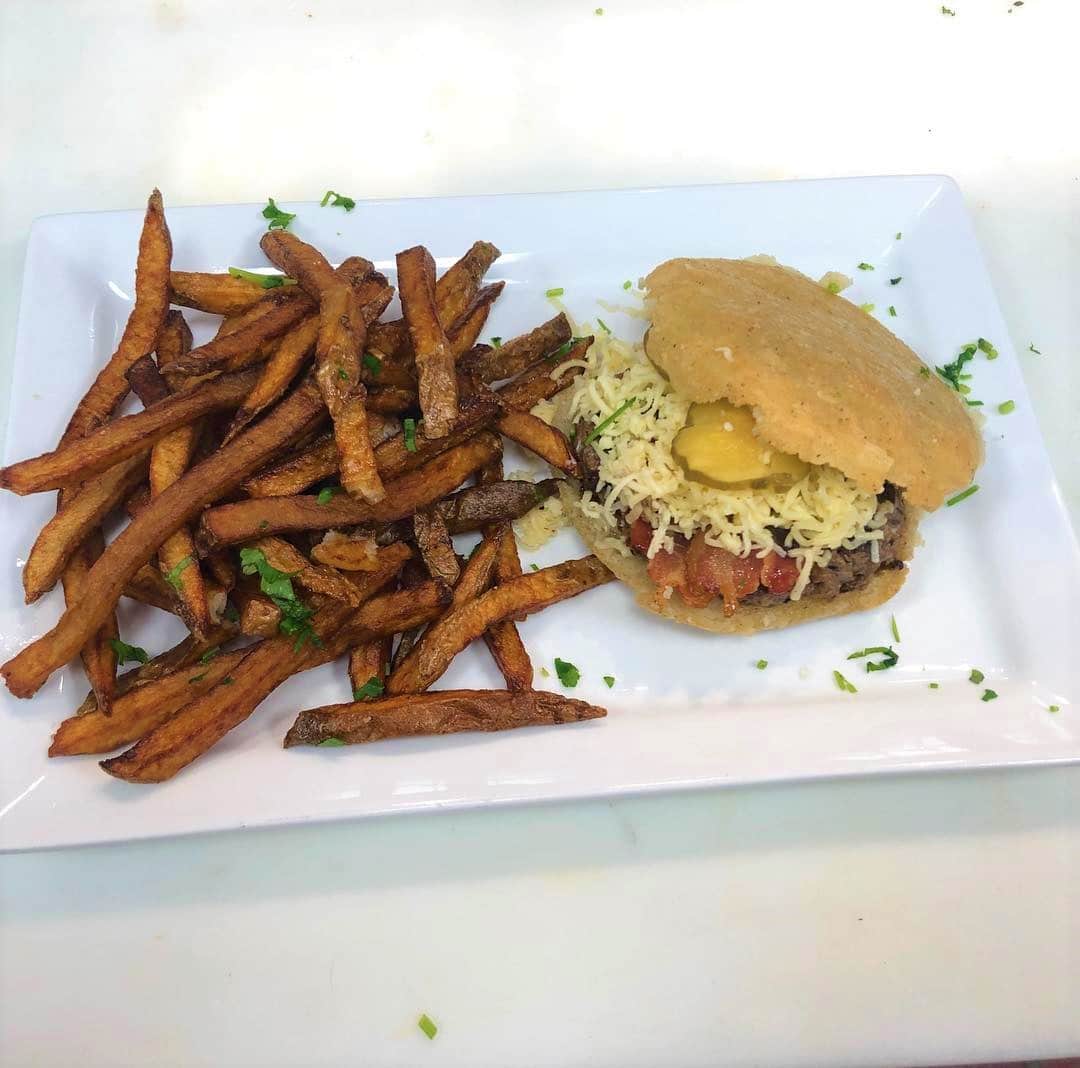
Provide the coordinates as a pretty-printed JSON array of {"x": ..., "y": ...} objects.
[{"x": 293, "y": 487}]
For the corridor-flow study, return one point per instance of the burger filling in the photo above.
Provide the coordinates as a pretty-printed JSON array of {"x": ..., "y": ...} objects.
[{"x": 717, "y": 513}]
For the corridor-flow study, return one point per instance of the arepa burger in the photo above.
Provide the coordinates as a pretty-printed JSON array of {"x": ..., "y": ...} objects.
[{"x": 763, "y": 458}]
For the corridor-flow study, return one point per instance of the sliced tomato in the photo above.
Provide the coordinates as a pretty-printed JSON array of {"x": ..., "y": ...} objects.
[{"x": 779, "y": 573}]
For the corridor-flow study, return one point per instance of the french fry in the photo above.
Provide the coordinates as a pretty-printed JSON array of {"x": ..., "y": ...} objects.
[
  {"x": 232, "y": 524},
  {"x": 279, "y": 311},
  {"x": 437, "y": 381},
  {"x": 519, "y": 353},
  {"x": 181, "y": 655},
  {"x": 391, "y": 400},
  {"x": 301, "y": 261},
  {"x": 535, "y": 385},
  {"x": 435, "y": 547},
  {"x": 446, "y": 638},
  {"x": 141, "y": 708},
  {"x": 346, "y": 553},
  {"x": 465, "y": 330},
  {"x": 318, "y": 578},
  {"x": 219, "y": 294},
  {"x": 259, "y": 616},
  {"x": 210, "y": 480},
  {"x": 477, "y": 573},
  {"x": 57, "y": 546},
  {"x": 453, "y": 293},
  {"x": 98, "y": 654},
  {"x": 443, "y": 712},
  {"x": 125, "y": 437},
  {"x": 148, "y": 587},
  {"x": 367, "y": 661},
  {"x": 546, "y": 441},
  {"x": 200, "y": 724},
  {"x": 413, "y": 574}
]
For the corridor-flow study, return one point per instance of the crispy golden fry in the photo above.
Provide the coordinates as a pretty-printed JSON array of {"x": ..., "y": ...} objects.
[
  {"x": 219, "y": 294},
  {"x": 443, "y": 640},
  {"x": 478, "y": 506},
  {"x": 300, "y": 260},
  {"x": 81, "y": 513},
  {"x": 98, "y": 654},
  {"x": 453, "y": 293},
  {"x": 437, "y": 381},
  {"x": 338, "y": 350},
  {"x": 528, "y": 389},
  {"x": 259, "y": 616},
  {"x": 199, "y": 725},
  {"x": 546, "y": 441},
  {"x": 169, "y": 459},
  {"x": 435, "y": 547},
  {"x": 279, "y": 311},
  {"x": 232, "y": 524},
  {"x": 392, "y": 400},
  {"x": 222, "y": 568},
  {"x": 127, "y": 436},
  {"x": 412, "y": 575},
  {"x": 477, "y": 573},
  {"x": 210, "y": 480},
  {"x": 519, "y": 353},
  {"x": 443, "y": 712},
  {"x": 318, "y": 578},
  {"x": 465, "y": 330},
  {"x": 346, "y": 553},
  {"x": 148, "y": 587},
  {"x": 368, "y": 661},
  {"x": 181, "y": 655},
  {"x": 141, "y": 708},
  {"x": 297, "y": 346}
]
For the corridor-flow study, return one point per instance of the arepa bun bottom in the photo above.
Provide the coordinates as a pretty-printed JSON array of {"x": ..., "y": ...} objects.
[{"x": 749, "y": 619}]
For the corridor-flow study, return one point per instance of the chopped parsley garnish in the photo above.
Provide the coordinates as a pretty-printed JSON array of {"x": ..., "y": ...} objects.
[
  {"x": 125, "y": 652},
  {"x": 279, "y": 220},
  {"x": 866, "y": 266},
  {"x": 925, "y": 372},
  {"x": 962, "y": 496},
  {"x": 569, "y": 675},
  {"x": 210, "y": 654},
  {"x": 496, "y": 342},
  {"x": 172, "y": 576},
  {"x": 230, "y": 613},
  {"x": 606, "y": 422},
  {"x": 277, "y": 585},
  {"x": 331, "y": 743},
  {"x": 266, "y": 281},
  {"x": 976, "y": 676},
  {"x": 1006, "y": 406},
  {"x": 868, "y": 308},
  {"x": 558, "y": 291},
  {"x": 985, "y": 347},
  {"x": 409, "y": 431},
  {"x": 947, "y": 10},
  {"x": 563, "y": 349},
  {"x": 609, "y": 681},
  {"x": 892, "y": 311},
  {"x": 372, "y": 363},
  {"x": 338, "y": 202},
  {"x": 544, "y": 671},
  {"x": 535, "y": 567},
  {"x": 603, "y": 326},
  {"x": 843, "y": 683},
  {"x": 888, "y": 659},
  {"x": 833, "y": 287},
  {"x": 897, "y": 280},
  {"x": 372, "y": 688},
  {"x": 198, "y": 678},
  {"x": 1054, "y": 708},
  {"x": 598, "y": 11},
  {"x": 898, "y": 235},
  {"x": 627, "y": 284},
  {"x": 974, "y": 404},
  {"x": 951, "y": 371},
  {"x": 264, "y": 523},
  {"x": 894, "y": 628},
  {"x": 761, "y": 665},
  {"x": 425, "y": 1023},
  {"x": 988, "y": 695},
  {"x": 326, "y": 494},
  {"x": 1031, "y": 348},
  {"x": 343, "y": 374},
  {"x": 228, "y": 680},
  {"x": 934, "y": 685}
]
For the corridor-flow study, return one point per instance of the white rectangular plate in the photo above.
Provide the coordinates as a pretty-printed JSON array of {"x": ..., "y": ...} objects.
[{"x": 995, "y": 585}]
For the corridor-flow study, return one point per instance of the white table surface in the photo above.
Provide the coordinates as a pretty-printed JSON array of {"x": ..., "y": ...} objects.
[{"x": 911, "y": 920}]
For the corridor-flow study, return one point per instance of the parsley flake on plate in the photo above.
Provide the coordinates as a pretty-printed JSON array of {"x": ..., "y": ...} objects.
[
  {"x": 988, "y": 695},
  {"x": 897, "y": 280},
  {"x": 866, "y": 266},
  {"x": 331, "y": 743},
  {"x": 962, "y": 496},
  {"x": 889, "y": 657},
  {"x": 976, "y": 676},
  {"x": 843, "y": 683},
  {"x": 894, "y": 628},
  {"x": 1005, "y": 407},
  {"x": 339, "y": 201},
  {"x": 568, "y": 674},
  {"x": 279, "y": 220},
  {"x": 985, "y": 347},
  {"x": 427, "y": 1025},
  {"x": 761, "y": 665},
  {"x": 266, "y": 281},
  {"x": 558, "y": 291},
  {"x": 609, "y": 681},
  {"x": 127, "y": 653},
  {"x": 409, "y": 430}
]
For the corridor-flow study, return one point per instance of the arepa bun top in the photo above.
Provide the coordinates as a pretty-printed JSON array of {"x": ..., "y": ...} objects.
[{"x": 825, "y": 380}]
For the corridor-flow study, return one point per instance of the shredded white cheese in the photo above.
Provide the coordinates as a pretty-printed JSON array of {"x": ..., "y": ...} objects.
[
  {"x": 538, "y": 526},
  {"x": 639, "y": 476}
]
